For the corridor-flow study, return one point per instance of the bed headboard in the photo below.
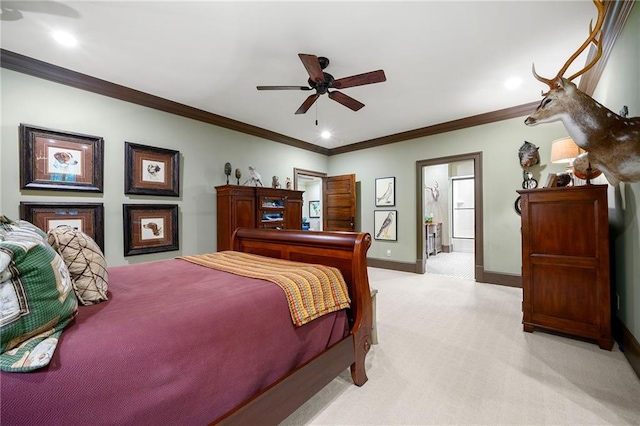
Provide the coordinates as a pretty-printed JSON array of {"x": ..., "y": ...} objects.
[{"x": 346, "y": 251}]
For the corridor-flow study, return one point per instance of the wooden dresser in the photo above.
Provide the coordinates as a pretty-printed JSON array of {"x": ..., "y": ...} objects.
[
  {"x": 566, "y": 284},
  {"x": 255, "y": 207}
]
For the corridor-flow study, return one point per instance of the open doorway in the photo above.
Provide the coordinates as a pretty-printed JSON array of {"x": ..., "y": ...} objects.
[
  {"x": 449, "y": 216},
  {"x": 311, "y": 183}
]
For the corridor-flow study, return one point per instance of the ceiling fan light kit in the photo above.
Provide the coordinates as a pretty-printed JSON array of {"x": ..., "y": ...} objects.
[{"x": 321, "y": 82}]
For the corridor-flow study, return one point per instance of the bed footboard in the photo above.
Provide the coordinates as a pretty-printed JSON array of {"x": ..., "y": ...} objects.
[{"x": 346, "y": 251}]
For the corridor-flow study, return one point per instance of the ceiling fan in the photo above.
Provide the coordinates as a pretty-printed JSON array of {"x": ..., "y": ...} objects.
[{"x": 322, "y": 82}]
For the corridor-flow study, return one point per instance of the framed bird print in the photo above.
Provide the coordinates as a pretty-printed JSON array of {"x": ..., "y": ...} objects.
[
  {"x": 386, "y": 192},
  {"x": 385, "y": 225}
]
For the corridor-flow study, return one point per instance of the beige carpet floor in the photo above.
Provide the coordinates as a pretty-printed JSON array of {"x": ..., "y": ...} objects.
[{"x": 452, "y": 351}]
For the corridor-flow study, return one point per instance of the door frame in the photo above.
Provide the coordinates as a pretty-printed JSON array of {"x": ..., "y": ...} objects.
[
  {"x": 421, "y": 257},
  {"x": 302, "y": 172}
]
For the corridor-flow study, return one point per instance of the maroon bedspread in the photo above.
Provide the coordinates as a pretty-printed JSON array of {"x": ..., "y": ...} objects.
[{"x": 177, "y": 343}]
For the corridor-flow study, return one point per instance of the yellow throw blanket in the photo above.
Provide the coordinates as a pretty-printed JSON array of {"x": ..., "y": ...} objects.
[{"x": 311, "y": 290}]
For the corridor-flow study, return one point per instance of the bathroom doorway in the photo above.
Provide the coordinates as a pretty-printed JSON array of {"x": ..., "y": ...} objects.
[{"x": 449, "y": 216}]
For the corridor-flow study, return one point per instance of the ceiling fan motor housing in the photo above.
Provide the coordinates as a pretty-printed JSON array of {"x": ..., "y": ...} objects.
[{"x": 322, "y": 88}]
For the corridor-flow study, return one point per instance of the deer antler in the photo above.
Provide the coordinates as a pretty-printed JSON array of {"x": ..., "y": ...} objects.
[
  {"x": 593, "y": 33},
  {"x": 548, "y": 82},
  {"x": 593, "y": 38}
]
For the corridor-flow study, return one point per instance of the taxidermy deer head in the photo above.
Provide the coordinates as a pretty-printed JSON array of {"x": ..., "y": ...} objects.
[
  {"x": 435, "y": 192},
  {"x": 612, "y": 142}
]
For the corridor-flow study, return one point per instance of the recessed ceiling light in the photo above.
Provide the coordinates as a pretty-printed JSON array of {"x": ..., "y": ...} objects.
[
  {"x": 513, "y": 83},
  {"x": 64, "y": 38},
  {"x": 325, "y": 134}
]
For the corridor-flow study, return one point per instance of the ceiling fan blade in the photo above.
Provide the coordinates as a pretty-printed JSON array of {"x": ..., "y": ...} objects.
[
  {"x": 312, "y": 66},
  {"x": 345, "y": 100},
  {"x": 307, "y": 103},
  {"x": 360, "y": 79},
  {"x": 283, "y": 88}
]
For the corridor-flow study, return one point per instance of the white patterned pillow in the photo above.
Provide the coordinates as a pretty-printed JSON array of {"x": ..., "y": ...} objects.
[
  {"x": 21, "y": 229},
  {"x": 85, "y": 261}
]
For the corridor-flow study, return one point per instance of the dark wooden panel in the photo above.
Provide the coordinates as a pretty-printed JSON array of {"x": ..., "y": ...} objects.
[
  {"x": 243, "y": 211},
  {"x": 565, "y": 292},
  {"x": 559, "y": 228},
  {"x": 294, "y": 214},
  {"x": 339, "y": 203},
  {"x": 342, "y": 185},
  {"x": 235, "y": 208}
]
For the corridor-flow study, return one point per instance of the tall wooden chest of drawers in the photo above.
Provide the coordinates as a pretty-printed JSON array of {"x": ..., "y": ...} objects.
[{"x": 566, "y": 284}]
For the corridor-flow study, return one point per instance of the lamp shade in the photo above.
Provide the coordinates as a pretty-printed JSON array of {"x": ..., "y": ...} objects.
[{"x": 564, "y": 150}]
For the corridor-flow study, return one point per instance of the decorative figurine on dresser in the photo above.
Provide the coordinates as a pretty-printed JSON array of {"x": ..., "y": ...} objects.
[
  {"x": 566, "y": 285},
  {"x": 227, "y": 171},
  {"x": 254, "y": 177}
]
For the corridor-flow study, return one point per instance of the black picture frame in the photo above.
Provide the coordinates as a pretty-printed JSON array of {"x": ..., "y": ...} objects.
[
  {"x": 86, "y": 217},
  {"x": 151, "y": 171},
  {"x": 314, "y": 209},
  {"x": 60, "y": 160},
  {"x": 385, "y": 192},
  {"x": 382, "y": 229},
  {"x": 150, "y": 228}
]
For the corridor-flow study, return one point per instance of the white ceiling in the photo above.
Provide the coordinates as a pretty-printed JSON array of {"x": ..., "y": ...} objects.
[{"x": 444, "y": 60}]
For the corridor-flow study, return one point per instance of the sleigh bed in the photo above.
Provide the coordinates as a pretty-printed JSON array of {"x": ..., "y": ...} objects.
[{"x": 181, "y": 343}]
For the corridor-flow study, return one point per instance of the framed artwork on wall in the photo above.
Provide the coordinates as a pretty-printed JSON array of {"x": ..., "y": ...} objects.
[
  {"x": 85, "y": 217},
  {"x": 386, "y": 192},
  {"x": 385, "y": 225},
  {"x": 58, "y": 160},
  {"x": 151, "y": 171},
  {"x": 314, "y": 209},
  {"x": 150, "y": 228}
]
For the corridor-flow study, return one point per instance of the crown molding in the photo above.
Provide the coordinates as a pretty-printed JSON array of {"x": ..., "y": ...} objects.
[
  {"x": 617, "y": 13},
  {"x": 26, "y": 65}
]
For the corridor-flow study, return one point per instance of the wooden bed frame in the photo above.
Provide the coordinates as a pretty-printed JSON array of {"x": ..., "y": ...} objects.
[{"x": 346, "y": 251}]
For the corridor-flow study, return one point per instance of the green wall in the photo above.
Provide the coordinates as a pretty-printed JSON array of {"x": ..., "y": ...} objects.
[
  {"x": 620, "y": 85},
  {"x": 502, "y": 176},
  {"x": 204, "y": 150}
]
